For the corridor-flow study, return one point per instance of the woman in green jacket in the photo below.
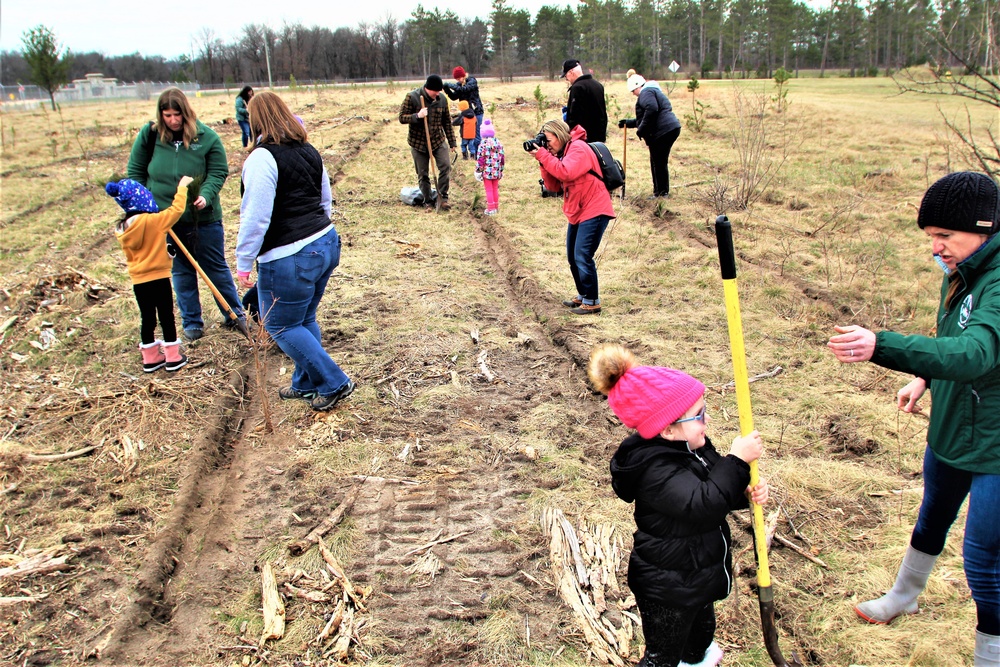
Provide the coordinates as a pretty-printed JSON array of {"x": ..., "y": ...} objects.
[
  {"x": 961, "y": 367},
  {"x": 242, "y": 115},
  {"x": 174, "y": 145}
]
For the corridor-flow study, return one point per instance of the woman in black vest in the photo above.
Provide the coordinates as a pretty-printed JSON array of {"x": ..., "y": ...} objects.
[{"x": 285, "y": 227}]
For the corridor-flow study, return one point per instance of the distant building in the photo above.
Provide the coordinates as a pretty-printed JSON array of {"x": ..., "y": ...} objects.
[{"x": 92, "y": 85}]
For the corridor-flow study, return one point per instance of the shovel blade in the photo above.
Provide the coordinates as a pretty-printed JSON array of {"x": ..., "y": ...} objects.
[
  {"x": 770, "y": 630},
  {"x": 241, "y": 326}
]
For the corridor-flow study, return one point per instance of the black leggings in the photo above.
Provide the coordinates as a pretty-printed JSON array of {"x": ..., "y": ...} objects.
[
  {"x": 156, "y": 297},
  {"x": 674, "y": 634},
  {"x": 659, "y": 155}
]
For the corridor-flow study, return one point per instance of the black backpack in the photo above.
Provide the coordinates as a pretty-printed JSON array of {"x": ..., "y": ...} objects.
[{"x": 611, "y": 169}]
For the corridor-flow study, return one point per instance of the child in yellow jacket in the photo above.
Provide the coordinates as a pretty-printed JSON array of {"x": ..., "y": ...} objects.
[{"x": 142, "y": 235}]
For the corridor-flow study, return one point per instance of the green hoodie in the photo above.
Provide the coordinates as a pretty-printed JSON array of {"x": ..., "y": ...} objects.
[
  {"x": 205, "y": 157},
  {"x": 962, "y": 365}
]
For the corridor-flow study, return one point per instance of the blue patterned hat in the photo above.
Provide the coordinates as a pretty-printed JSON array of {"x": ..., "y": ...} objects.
[{"x": 132, "y": 196}]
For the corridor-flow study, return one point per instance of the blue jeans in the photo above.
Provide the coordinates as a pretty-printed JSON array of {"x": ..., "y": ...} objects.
[
  {"x": 582, "y": 241},
  {"x": 945, "y": 489},
  {"x": 245, "y": 126},
  {"x": 290, "y": 290},
  {"x": 207, "y": 243},
  {"x": 474, "y": 149}
]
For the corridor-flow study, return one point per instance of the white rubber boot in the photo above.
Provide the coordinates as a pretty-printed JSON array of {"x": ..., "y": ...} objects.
[
  {"x": 902, "y": 599},
  {"x": 987, "y": 650}
]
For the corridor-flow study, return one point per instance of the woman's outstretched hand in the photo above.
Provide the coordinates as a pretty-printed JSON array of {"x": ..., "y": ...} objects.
[{"x": 853, "y": 344}]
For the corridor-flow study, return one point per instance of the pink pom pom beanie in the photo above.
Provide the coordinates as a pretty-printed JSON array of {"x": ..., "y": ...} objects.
[{"x": 650, "y": 398}]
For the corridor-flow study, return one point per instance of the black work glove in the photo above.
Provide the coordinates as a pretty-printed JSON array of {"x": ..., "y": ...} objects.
[{"x": 621, "y": 123}]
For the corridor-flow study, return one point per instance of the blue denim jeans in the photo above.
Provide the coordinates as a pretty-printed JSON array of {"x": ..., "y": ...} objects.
[
  {"x": 474, "y": 148},
  {"x": 945, "y": 489},
  {"x": 290, "y": 290},
  {"x": 582, "y": 241},
  {"x": 245, "y": 127},
  {"x": 207, "y": 243}
]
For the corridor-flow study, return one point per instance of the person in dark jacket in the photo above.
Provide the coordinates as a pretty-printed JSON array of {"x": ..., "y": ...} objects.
[
  {"x": 961, "y": 367},
  {"x": 285, "y": 228},
  {"x": 427, "y": 108},
  {"x": 681, "y": 560},
  {"x": 467, "y": 88},
  {"x": 586, "y": 105},
  {"x": 656, "y": 124}
]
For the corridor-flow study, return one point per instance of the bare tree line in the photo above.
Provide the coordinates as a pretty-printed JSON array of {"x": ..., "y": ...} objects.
[{"x": 741, "y": 38}]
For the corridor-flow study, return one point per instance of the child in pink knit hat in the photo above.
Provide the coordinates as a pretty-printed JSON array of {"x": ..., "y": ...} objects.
[{"x": 681, "y": 560}]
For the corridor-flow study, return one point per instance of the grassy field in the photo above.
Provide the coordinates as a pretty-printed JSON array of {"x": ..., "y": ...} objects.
[{"x": 473, "y": 413}]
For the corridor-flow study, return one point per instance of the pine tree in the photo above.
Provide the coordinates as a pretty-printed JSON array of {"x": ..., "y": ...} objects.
[{"x": 48, "y": 63}]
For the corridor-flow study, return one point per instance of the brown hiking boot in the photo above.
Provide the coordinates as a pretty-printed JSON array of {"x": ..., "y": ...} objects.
[
  {"x": 587, "y": 309},
  {"x": 445, "y": 206},
  {"x": 573, "y": 303}
]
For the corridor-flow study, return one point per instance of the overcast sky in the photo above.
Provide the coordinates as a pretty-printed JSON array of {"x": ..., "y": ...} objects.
[{"x": 152, "y": 28}]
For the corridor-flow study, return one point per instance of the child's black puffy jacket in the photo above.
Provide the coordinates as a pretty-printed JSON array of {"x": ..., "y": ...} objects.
[{"x": 682, "y": 556}]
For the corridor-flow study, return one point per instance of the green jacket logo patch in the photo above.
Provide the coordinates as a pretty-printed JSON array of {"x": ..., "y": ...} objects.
[{"x": 965, "y": 312}]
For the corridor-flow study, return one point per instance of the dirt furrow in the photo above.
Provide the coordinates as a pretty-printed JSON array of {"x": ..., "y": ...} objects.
[{"x": 206, "y": 469}]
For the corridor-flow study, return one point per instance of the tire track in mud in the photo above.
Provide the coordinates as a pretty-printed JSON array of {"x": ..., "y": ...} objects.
[
  {"x": 478, "y": 570},
  {"x": 207, "y": 467},
  {"x": 452, "y": 550}
]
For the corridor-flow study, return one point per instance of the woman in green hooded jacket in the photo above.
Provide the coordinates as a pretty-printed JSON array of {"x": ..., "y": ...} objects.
[
  {"x": 961, "y": 367},
  {"x": 174, "y": 145}
]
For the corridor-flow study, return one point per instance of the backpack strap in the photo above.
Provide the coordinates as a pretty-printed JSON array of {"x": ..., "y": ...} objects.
[
  {"x": 151, "y": 139},
  {"x": 598, "y": 176}
]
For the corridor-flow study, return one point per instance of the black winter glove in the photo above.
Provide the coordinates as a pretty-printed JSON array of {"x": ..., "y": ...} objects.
[{"x": 621, "y": 123}]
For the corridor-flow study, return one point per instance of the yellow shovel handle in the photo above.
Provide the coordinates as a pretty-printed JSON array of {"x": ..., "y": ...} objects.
[{"x": 727, "y": 260}]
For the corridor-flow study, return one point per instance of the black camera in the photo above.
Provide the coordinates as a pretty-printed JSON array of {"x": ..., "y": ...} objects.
[
  {"x": 540, "y": 141},
  {"x": 548, "y": 193}
]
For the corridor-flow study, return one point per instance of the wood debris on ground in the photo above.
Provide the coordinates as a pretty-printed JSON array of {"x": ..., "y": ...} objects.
[
  {"x": 327, "y": 593},
  {"x": 30, "y": 564},
  {"x": 585, "y": 567},
  {"x": 16, "y": 568}
]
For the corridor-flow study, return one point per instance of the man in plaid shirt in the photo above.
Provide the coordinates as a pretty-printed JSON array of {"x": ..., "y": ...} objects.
[{"x": 428, "y": 102}]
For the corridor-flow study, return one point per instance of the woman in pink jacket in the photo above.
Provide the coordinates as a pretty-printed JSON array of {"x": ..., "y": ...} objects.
[{"x": 569, "y": 164}]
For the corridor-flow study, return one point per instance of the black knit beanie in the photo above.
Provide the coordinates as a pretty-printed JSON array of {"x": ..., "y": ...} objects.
[
  {"x": 965, "y": 201},
  {"x": 434, "y": 82}
]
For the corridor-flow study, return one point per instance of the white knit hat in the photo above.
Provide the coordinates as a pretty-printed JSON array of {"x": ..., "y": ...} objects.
[{"x": 635, "y": 81}]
